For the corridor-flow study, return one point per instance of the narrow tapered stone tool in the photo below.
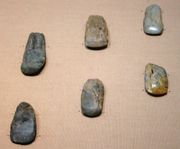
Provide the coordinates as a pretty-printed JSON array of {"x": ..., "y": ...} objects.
[
  {"x": 92, "y": 98},
  {"x": 23, "y": 126},
  {"x": 156, "y": 81},
  {"x": 34, "y": 57},
  {"x": 153, "y": 24},
  {"x": 96, "y": 34}
]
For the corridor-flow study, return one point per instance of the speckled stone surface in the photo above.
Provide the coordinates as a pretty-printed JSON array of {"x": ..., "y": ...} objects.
[
  {"x": 34, "y": 57},
  {"x": 153, "y": 20},
  {"x": 96, "y": 34},
  {"x": 156, "y": 81},
  {"x": 92, "y": 98},
  {"x": 23, "y": 126}
]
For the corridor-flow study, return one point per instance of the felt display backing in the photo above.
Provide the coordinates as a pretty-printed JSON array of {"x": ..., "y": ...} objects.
[{"x": 131, "y": 119}]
